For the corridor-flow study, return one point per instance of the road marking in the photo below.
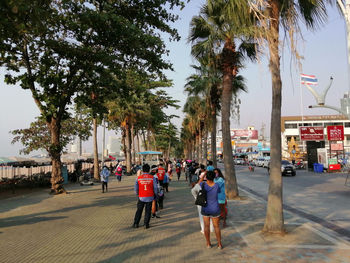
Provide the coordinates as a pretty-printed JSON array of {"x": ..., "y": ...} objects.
[{"x": 326, "y": 224}]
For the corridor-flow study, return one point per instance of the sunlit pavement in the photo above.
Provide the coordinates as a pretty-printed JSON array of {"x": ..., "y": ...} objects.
[{"x": 88, "y": 226}]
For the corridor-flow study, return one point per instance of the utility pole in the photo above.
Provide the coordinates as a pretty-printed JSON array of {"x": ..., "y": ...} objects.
[{"x": 346, "y": 12}]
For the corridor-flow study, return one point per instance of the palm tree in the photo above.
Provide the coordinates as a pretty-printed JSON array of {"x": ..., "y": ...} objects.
[
  {"x": 273, "y": 14},
  {"x": 212, "y": 29},
  {"x": 206, "y": 83}
]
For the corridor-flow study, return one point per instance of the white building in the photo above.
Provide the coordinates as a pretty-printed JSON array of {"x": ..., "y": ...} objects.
[
  {"x": 114, "y": 145},
  {"x": 290, "y": 128}
]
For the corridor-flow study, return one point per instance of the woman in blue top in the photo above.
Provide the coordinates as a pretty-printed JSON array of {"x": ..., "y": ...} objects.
[
  {"x": 212, "y": 210},
  {"x": 220, "y": 180}
]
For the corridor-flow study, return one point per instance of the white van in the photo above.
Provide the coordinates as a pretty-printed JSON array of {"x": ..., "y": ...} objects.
[{"x": 260, "y": 161}]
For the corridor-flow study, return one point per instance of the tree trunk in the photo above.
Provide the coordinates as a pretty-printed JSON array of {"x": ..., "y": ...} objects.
[
  {"x": 148, "y": 140},
  {"x": 55, "y": 153},
  {"x": 144, "y": 140},
  {"x": 169, "y": 147},
  {"x": 123, "y": 141},
  {"x": 128, "y": 146},
  {"x": 96, "y": 162},
  {"x": 138, "y": 147},
  {"x": 197, "y": 148},
  {"x": 205, "y": 147},
  {"x": 274, "y": 221},
  {"x": 213, "y": 138},
  {"x": 189, "y": 151},
  {"x": 226, "y": 97},
  {"x": 133, "y": 144},
  {"x": 200, "y": 146}
]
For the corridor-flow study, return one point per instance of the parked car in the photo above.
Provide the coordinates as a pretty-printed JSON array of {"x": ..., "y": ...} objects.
[
  {"x": 239, "y": 161},
  {"x": 266, "y": 162},
  {"x": 260, "y": 161},
  {"x": 286, "y": 168}
]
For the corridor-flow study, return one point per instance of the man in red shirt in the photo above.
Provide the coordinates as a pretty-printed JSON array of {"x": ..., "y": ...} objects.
[
  {"x": 146, "y": 188},
  {"x": 161, "y": 174}
]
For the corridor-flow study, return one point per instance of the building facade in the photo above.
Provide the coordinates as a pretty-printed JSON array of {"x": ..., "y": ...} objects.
[{"x": 290, "y": 128}]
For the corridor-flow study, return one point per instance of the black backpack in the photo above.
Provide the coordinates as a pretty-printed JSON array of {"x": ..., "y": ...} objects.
[{"x": 202, "y": 196}]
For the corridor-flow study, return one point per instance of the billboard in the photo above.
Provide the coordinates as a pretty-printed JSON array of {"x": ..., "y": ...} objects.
[
  {"x": 311, "y": 133},
  {"x": 251, "y": 134},
  {"x": 336, "y": 146},
  {"x": 335, "y": 133}
]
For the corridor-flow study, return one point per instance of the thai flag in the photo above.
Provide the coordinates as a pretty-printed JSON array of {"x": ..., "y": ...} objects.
[{"x": 308, "y": 79}]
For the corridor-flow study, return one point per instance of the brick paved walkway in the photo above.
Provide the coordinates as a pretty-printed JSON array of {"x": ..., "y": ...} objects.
[{"x": 88, "y": 226}]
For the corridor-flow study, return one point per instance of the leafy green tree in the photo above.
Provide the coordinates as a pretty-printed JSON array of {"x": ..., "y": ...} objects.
[
  {"x": 37, "y": 136},
  {"x": 206, "y": 83},
  {"x": 59, "y": 50},
  {"x": 136, "y": 107}
]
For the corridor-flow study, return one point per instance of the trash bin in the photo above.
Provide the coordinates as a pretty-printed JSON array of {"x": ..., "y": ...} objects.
[
  {"x": 318, "y": 167},
  {"x": 65, "y": 174}
]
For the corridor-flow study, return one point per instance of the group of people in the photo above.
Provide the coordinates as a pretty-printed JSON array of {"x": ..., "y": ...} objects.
[
  {"x": 212, "y": 181},
  {"x": 105, "y": 173},
  {"x": 150, "y": 187},
  {"x": 152, "y": 183}
]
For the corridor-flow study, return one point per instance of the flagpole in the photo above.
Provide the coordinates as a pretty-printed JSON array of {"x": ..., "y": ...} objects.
[{"x": 301, "y": 106}]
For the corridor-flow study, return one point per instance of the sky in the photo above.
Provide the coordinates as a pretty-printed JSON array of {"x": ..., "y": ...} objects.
[{"x": 324, "y": 55}]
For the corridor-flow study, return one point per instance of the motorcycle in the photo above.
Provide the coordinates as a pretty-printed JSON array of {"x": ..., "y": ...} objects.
[
  {"x": 86, "y": 179},
  {"x": 299, "y": 165}
]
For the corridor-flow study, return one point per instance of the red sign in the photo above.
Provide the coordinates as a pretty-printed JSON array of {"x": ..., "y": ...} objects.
[
  {"x": 333, "y": 167},
  {"x": 251, "y": 134},
  {"x": 311, "y": 133},
  {"x": 335, "y": 133}
]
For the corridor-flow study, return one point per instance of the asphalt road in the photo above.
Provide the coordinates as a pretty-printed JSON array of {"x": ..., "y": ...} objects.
[{"x": 322, "y": 198}]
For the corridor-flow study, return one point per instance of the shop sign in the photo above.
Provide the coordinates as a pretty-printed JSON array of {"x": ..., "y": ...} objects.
[
  {"x": 335, "y": 133},
  {"x": 311, "y": 133},
  {"x": 251, "y": 134},
  {"x": 337, "y": 146},
  {"x": 332, "y": 161}
]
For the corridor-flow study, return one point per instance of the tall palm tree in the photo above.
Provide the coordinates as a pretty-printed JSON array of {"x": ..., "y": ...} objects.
[
  {"x": 272, "y": 15},
  {"x": 206, "y": 83},
  {"x": 212, "y": 29}
]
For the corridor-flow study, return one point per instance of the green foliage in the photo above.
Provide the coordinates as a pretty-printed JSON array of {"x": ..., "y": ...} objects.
[
  {"x": 75, "y": 50},
  {"x": 37, "y": 136}
]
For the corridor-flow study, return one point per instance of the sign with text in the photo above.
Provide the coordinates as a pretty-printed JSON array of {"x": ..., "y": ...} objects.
[
  {"x": 311, "y": 133},
  {"x": 251, "y": 134},
  {"x": 335, "y": 133},
  {"x": 337, "y": 146}
]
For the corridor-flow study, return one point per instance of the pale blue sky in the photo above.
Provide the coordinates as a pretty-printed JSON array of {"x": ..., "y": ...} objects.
[{"x": 324, "y": 54}]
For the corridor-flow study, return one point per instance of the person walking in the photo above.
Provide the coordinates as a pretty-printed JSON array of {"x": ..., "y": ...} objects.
[
  {"x": 104, "y": 178},
  {"x": 166, "y": 182},
  {"x": 156, "y": 195},
  {"x": 196, "y": 188},
  {"x": 170, "y": 170},
  {"x": 210, "y": 166},
  {"x": 160, "y": 174},
  {"x": 220, "y": 180},
  {"x": 119, "y": 172},
  {"x": 191, "y": 172},
  {"x": 212, "y": 210},
  {"x": 178, "y": 170},
  {"x": 145, "y": 188}
]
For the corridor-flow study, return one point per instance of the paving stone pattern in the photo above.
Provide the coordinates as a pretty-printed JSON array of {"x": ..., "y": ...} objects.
[{"x": 89, "y": 226}]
